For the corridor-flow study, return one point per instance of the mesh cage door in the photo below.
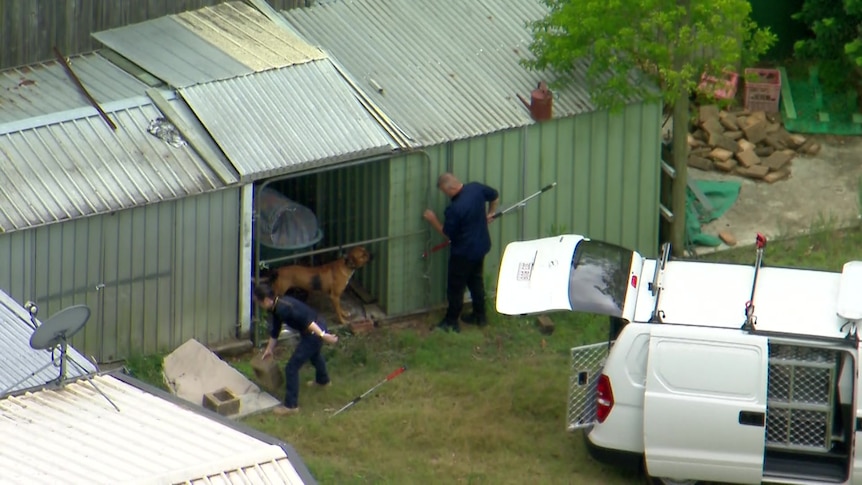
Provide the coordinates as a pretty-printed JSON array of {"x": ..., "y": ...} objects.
[{"x": 587, "y": 364}]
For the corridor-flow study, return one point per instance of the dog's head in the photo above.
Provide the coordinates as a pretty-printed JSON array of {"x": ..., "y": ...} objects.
[{"x": 357, "y": 257}]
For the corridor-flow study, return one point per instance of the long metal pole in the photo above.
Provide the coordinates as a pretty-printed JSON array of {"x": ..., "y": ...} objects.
[
  {"x": 497, "y": 214},
  {"x": 384, "y": 381}
]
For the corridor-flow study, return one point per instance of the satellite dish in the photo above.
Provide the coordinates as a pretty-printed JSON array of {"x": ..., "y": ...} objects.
[
  {"x": 55, "y": 332},
  {"x": 60, "y": 327}
]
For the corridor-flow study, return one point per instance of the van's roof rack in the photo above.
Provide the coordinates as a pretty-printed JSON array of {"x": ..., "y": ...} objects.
[
  {"x": 750, "y": 318},
  {"x": 656, "y": 285}
]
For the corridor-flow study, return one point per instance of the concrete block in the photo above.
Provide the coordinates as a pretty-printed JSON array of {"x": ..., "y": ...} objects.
[
  {"x": 693, "y": 142},
  {"x": 222, "y": 401},
  {"x": 712, "y": 127},
  {"x": 747, "y": 158},
  {"x": 708, "y": 112},
  {"x": 701, "y": 151},
  {"x": 777, "y": 175},
  {"x": 268, "y": 373},
  {"x": 775, "y": 141},
  {"x": 361, "y": 326},
  {"x": 728, "y": 121},
  {"x": 795, "y": 141},
  {"x": 545, "y": 324},
  {"x": 778, "y": 160},
  {"x": 699, "y": 162},
  {"x": 725, "y": 165},
  {"x": 745, "y": 145},
  {"x": 754, "y": 172},
  {"x": 764, "y": 151},
  {"x": 720, "y": 154},
  {"x": 721, "y": 141},
  {"x": 755, "y": 132}
]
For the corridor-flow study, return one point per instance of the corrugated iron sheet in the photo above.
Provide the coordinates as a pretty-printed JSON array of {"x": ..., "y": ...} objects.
[
  {"x": 442, "y": 70},
  {"x": 74, "y": 435},
  {"x": 21, "y": 367},
  {"x": 288, "y": 119},
  {"x": 44, "y": 89},
  {"x": 227, "y": 40},
  {"x": 80, "y": 167}
]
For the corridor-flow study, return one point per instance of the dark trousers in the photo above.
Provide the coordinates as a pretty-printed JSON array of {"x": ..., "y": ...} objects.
[
  {"x": 464, "y": 273},
  {"x": 308, "y": 349}
]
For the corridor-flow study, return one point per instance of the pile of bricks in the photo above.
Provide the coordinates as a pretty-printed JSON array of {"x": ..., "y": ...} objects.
[{"x": 750, "y": 144}]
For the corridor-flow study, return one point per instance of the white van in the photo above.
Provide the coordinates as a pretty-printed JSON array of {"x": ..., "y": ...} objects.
[{"x": 715, "y": 372}]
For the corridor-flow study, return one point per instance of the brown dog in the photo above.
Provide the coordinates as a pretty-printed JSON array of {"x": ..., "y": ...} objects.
[{"x": 330, "y": 278}]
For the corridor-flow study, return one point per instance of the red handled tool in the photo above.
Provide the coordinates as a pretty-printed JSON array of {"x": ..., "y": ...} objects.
[
  {"x": 384, "y": 381},
  {"x": 750, "y": 319}
]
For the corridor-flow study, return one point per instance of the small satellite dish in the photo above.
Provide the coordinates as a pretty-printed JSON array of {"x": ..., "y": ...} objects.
[{"x": 60, "y": 327}]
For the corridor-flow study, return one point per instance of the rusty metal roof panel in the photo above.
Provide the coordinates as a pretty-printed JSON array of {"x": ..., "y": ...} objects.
[
  {"x": 78, "y": 166},
  {"x": 288, "y": 119},
  {"x": 443, "y": 70},
  {"x": 220, "y": 42},
  {"x": 44, "y": 88}
]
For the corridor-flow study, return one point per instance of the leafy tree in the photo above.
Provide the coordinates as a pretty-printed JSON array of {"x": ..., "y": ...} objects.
[
  {"x": 647, "y": 49},
  {"x": 836, "y": 28}
]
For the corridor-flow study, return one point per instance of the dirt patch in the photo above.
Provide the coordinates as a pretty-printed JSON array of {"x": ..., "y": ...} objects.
[{"x": 822, "y": 191}]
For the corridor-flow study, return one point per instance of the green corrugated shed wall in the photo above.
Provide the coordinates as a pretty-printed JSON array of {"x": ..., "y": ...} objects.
[
  {"x": 153, "y": 276},
  {"x": 606, "y": 167}
]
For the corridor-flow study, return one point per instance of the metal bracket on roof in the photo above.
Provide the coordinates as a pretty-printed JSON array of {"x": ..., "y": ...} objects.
[{"x": 163, "y": 105}]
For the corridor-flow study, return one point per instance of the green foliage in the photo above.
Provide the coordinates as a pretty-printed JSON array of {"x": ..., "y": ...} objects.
[
  {"x": 633, "y": 46},
  {"x": 835, "y": 25},
  {"x": 147, "y": 368},
  {"x": 558, "y": 230}
]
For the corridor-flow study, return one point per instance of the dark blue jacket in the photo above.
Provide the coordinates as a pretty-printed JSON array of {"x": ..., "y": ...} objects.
[
  {"x": 466, "y": 221},
  {"x": 295, "y": 314}
]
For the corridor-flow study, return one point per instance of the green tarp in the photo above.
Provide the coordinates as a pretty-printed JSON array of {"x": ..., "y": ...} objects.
[{"x": 721, "y": 196}]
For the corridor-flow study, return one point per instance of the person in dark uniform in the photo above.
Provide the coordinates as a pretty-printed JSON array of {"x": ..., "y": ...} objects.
[
  {"x": 285, "y": 310},
  {"x": 465, "y": 224}
]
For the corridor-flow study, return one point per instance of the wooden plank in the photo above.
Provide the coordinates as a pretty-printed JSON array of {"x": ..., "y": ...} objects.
[
  {"x": 704, "y": 201},
  {"x": 361, "y": 292},
  {"x": 786, "y": 97}
]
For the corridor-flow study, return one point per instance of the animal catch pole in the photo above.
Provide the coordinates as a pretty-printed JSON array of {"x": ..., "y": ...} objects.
[
  {"x": 750, "y": 319},
  {"x": 391, "y": 376},
  {"x": 496, "y": 215}
]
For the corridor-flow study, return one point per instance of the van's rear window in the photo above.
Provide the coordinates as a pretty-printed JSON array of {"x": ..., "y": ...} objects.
[{"x": 599, "y": 278}]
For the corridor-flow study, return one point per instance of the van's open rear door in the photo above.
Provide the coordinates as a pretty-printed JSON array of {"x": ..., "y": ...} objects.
[{"x": 567, "y": 273}]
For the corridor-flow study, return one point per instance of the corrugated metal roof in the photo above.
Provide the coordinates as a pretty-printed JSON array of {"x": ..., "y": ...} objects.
[
  {"x": 21, "y": 367},
  {"x": 442, "y": 70},
  {"x": 288, "y": 119},
  {"x": 227, "y": 40},
  {"x": 80, "y": 167},
  {"x": 42, "y": 89},
  {"x": 74, "y": 435}
]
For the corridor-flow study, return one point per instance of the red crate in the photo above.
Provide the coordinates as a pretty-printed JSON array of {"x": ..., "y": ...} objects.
[
  {"x": 720, "y": 88},
  {"x": 762, "y": 89}
]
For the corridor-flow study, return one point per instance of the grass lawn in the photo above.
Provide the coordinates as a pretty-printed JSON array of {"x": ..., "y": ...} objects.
[{"x": 483, "y": 406}]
